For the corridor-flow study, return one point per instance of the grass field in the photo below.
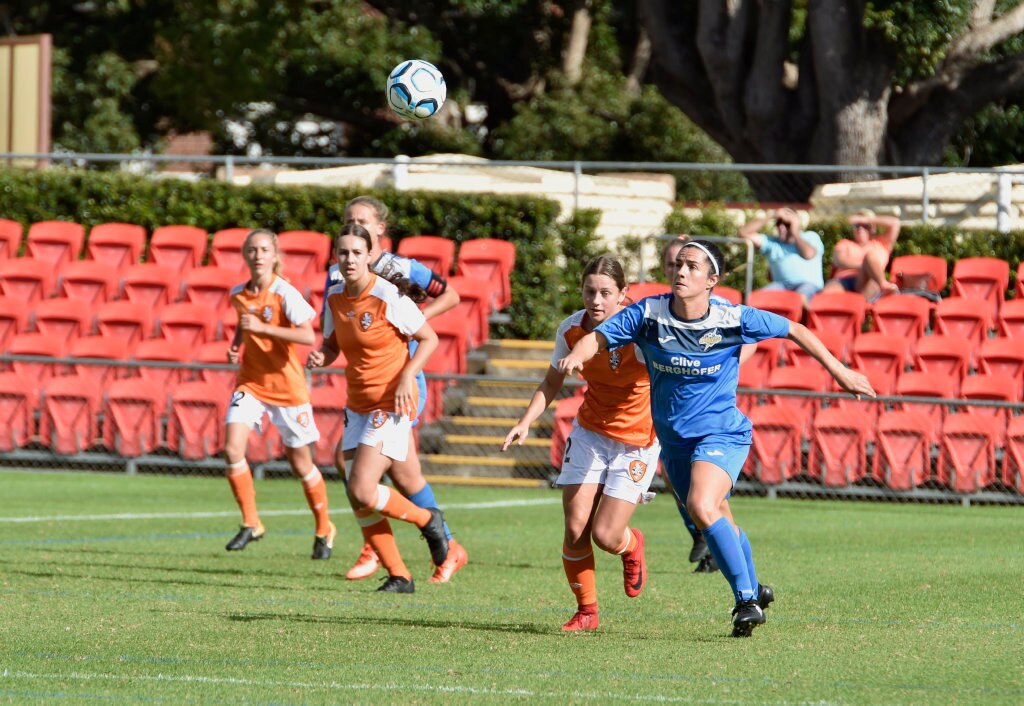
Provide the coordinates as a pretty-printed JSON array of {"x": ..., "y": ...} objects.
[{"x": 118, "y": 589}]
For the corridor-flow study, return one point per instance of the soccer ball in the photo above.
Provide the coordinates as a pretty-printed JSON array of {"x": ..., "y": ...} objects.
[{"x": 416, "y": 89}]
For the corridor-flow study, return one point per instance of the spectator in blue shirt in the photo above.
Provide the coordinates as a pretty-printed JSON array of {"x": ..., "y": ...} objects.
[{"x": 794, "y": 255}]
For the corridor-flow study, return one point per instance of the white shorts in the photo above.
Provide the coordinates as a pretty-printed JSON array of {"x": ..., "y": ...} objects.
[
  {"x": 625, "y": 471},
  {"x": 375, "y": 427},
  {"x": 295, "y": 423}
]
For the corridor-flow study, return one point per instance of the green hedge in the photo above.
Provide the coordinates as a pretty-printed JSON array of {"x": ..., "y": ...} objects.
[{"x": 540, "y": 285}]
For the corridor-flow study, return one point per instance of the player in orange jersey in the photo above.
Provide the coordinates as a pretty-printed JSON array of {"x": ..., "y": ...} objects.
[
  {"x": 272, "y": 319},
  {"x": 610, "y": 455},
  {"x": 372, "y": 323}
]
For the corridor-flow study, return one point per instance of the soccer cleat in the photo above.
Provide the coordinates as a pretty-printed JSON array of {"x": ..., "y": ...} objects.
[
  {"x": 366, "y": 565},
  {"x": 634, "y": 567},
  {"x": 457, "y": 558},
  {"x": 322, "y": 545},
  {"x": 433, "y": 532},
  {"x": 244, "y": 536},
  {"x": 707, "y": 565},
  {"x": 699, "y": 549},
  {"x": 583, "y": 620},
  {"x": 397, "y": 584},
  {"x": 746, "y": 616},
  {"x": 765, "y": 595}
]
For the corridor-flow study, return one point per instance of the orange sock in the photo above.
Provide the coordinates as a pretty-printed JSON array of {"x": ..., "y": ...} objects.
[
  {"x": 240, "y": 478},
  {"x": 378, "y": 535},
  {"x": 628, "y": 543},
  {"x": 316, "y": 495},
  {"x": 580, "y": 572},
  {"x": 391, "y": 503}
]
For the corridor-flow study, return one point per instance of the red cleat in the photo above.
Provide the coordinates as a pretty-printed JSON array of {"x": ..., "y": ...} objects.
[
  {"x": 366, "y": 565},
  {"x": 585, "y": 619},
  {"x": 457, "y": 558},
  {"x": 634, "y": 567}
]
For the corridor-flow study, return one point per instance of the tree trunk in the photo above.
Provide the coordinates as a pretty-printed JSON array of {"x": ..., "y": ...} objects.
[{"x": 576, "y": 47}]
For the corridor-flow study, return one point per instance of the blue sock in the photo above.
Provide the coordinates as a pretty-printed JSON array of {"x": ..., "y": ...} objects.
[
  {"x": 425, "y": 498},
  {"x": 725, "y": 546},
  {"x": 749, "y": 556}
]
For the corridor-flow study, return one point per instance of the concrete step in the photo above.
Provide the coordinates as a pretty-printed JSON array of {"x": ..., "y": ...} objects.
[
  {"x": 517, "y": 367},
  {"x": 521, "y": 349},
  {"x": 460, "y": 424},
  {"x": 502, "y": 466}
]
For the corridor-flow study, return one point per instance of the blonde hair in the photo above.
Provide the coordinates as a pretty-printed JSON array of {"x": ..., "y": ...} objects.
[
  {"x": 278, "y": 265},
  {"x": 376, "y": 204}
]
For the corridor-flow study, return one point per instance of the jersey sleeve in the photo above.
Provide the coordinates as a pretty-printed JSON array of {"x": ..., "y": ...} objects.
[
  {"x": 624, "y": 326},
  {"x": 758, "y": 325},
  {"x": 296, "y": 308},
  {"x": 333, "y": 277},
  {"x": 328, "y": 319},
  {"x": 404, "y": 315},
  {"x": 431, "y": 282},
  {"x": 770, "y": 247},
  {"x": 561, "y": 347}
]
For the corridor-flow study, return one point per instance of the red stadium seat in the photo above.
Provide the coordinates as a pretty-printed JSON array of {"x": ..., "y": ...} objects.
[
  {"x": 1011, "y": 319},
  {"x": 264, "y": 444},
  {"x": 158, "y": 378},
  {"x": 55, "y": 242},
  {"x": 565, "y": 412},
  {"x": 804, "y": 378},
  {"x": 117, "y": 245},
  {"x": 881, "y": 383},
  {"x": 1018, "y": 290},
  {"x": 133, "y": 417},
  {"x": 195, "y": 421},
  {"x": 903, "y": 451},
  {"x": 193, "y": 324},
  {"x": 226, "y": 249},
  {"x": 944, "y": 355},
  {"x": 98, "y": 347},
  {"x": 229, "y": 324},
  {"x": 474, "y": 305},
  {"x": 834, "y": 341},
  {"x": 733, "y": 296},
  {"x": 68, "y": 414},
  {"x": 838, "y": 455},
  {"x": 37, "y": 344},
  {"x": 450, "y": 357},
  {"x": 1013, "y": 459},
  {"x": 779, "y": 301},
  {"x": 984, "y": 278},
  {"x": 10, "y": 238},
  {"x": 178, "y": 247},
  {"x": 640, "y": 290},
  {"x": 304, "y": 251},
  {"x": 215, "y": 353},
  {"x": 125, "y": 321},
  {"x": 775, "y": 454},
  {"x": 919, "y": 384},
  {"x": 963, "y": 318},
  {"x": 329, "y": 412},
  {"x": 967, "y": 459},
  {"x": 766, "y": 356},
  {"x": 385, "y": 244},
  {"x": 920, "y": 273},
  {"x": 311, "y": 287},
  {"x": 152, "y": 285},
  {"x": 490, "y": 259},
  {"x": 877, "y": 351},
  {"x": 19, "y": 400},
  {"x": 210, "y": 286},
  {"x": 1003, "y": 356},
  {"x": 64, "y": 319},
  {"x": 994, "y": 388},
  {"x": 26, "y": 279},
  {"x": 86, "y": 281},
  {"x": 751, "y": 378},
  {"x": 431, "y": 251},
  {"x": 902, "y": 315},
  {"x": 842, "y": 312},
  {"x": 14, "y": 317}
]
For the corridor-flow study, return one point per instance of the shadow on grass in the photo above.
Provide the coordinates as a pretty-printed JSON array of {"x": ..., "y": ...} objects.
[
  {"x": 392, "y": 621},
  {"x": 64, "y": 574}
]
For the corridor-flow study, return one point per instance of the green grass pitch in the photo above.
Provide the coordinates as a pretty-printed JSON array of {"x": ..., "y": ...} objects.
[{"x": 118, "y": 589}]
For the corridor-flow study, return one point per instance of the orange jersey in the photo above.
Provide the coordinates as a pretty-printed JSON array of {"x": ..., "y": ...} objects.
[
  {"x": 270, "y": 369},
  {"x": 617, "y": 403},
  {"x": 372, "y": 330}
]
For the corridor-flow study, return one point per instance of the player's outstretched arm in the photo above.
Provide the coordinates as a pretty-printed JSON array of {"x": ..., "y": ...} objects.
[
  {"x": 849, "y": 380},
  {"x": 542, "y": 398},
  {"x": 446, "y": 300},
  {"x": 585, "y": 349}
]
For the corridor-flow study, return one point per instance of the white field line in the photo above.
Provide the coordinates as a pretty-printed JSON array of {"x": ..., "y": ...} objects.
[{"x": 269, "y": 513}]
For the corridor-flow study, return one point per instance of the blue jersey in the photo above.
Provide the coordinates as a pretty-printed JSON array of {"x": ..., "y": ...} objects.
[{"x": 693, "y": 364}]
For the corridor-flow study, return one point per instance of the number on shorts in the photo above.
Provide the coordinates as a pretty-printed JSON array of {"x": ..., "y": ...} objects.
[
  {"x": 565, "y": 457},
  {"x": 236, "y": 397}
]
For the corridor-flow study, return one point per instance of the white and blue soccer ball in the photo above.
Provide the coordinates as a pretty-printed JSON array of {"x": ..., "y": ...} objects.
[{"x": 416, "y": 89}]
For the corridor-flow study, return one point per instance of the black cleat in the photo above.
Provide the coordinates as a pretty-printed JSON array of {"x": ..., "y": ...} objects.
[
  {"x": 765, "y": 595},
  {"x": 397, "y": 584},
  {"x": 244, "y": 536},
  {"x": 433, "y": 532},
  {"x": 700, "y": 548},
  {"x": 322, "y": 545},
  {"x": 746, "y": 616},
  {"x": 707, "y": 565}
]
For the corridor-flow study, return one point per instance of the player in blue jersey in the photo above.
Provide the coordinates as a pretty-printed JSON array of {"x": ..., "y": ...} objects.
[
  {"x": 420, "y": 283},
  {"x": 691, "y": 347}
]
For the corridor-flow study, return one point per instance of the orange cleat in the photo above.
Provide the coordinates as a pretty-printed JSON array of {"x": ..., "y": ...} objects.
[
  {"x": 585, "y": 619},
  {"x": 366, "y": 565},
  {"x": 457, "y": 558},
  {"x": 634, "y": 567}
]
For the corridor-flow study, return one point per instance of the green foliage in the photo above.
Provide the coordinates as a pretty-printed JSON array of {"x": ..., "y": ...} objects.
[
  {"x": 993, "y": 137},
  {"x": 918, "y": 33},
  {"x": 578, "y": 248},
  {"x": 92, "y": 106}
]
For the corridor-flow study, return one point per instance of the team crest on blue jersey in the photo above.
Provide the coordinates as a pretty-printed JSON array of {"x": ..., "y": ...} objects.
[
  {"x": 710, "y": 339},
  {"x": 268, "y": 313},
  {"x": 365, "y": 320},
  {"x": 614, "y": 359}
]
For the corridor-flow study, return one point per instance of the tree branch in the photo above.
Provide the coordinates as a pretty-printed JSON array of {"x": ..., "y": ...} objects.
[
  {"x": 641, "y": 60},
  {"x": 576, "y": 46},
  {"x": 981, "y": 13},
  {"x": 971, "y": 45}
]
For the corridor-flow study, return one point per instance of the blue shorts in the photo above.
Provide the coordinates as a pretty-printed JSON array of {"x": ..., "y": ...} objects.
[
  {"x": 727, "y": 451},
  {"x": 421, "y": 386}
]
